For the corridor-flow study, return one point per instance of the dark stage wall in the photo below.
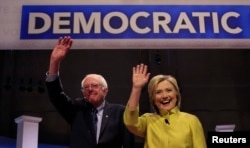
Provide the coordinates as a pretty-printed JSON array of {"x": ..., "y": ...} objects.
[{"x": 215, "y": 84}]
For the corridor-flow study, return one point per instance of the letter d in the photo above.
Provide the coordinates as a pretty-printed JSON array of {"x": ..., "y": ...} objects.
[{"x": 32, "y": 23}]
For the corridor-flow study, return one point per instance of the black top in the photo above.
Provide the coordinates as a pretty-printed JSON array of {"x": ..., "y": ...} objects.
[{"x": 77, "y": 112}]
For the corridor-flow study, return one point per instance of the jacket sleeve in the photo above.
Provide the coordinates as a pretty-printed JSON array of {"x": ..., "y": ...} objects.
[
  {"x": 128, "y": 137},
  {"x": 134, "y": 123},
  {"x": 60, "y": 100},
  {"x": 199, "y": 140}
]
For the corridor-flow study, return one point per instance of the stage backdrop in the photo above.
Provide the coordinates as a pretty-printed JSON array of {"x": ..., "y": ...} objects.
[{"x": 125, "y": 24}]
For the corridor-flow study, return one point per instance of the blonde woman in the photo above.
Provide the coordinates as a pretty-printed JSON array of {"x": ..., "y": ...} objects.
[{"x": 167, "y": 127}]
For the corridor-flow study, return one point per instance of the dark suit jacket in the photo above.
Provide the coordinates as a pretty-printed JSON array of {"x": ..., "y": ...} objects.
[{"x": 76, "y": 112}]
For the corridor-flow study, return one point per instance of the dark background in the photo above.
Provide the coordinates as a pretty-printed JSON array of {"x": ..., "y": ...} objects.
[{"x": 215, "y": 84}]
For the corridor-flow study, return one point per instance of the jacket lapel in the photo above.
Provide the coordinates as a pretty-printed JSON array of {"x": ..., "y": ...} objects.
[
  {"x": 87, "y": 114},
  {"x": 105, "y": 118}
]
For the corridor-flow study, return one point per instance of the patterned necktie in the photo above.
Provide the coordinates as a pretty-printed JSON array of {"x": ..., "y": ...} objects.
[{"x": 94, "y": 118}]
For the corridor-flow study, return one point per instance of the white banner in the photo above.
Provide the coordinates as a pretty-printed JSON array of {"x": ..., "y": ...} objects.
[{"x": 129, "y": 24}]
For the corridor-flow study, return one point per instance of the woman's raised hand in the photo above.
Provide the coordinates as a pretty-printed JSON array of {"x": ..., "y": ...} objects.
[{"x": 140, "y": 75}]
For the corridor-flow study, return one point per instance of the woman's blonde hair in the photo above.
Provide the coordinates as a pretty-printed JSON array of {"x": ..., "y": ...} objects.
[{"x": 155, "y": 81}]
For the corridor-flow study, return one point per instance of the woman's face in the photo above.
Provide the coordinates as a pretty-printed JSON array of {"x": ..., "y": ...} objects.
[{"x": 165, "y": 96}]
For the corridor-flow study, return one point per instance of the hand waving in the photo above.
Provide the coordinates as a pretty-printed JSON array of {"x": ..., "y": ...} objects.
[
  {"x": 140, "y": 75},
  {"x": 58, "y": 54},
  {"x": 62, "y": 47}
]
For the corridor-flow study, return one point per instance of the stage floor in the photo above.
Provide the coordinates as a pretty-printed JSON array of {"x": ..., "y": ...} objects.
[{"x": 6, "y": 142}]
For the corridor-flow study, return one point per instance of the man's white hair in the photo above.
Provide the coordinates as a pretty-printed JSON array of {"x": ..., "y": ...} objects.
[{"x": 97, "y": 76}]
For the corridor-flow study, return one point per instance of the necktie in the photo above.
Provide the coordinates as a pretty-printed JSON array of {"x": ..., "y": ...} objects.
[{"x": 94, "y": 118}]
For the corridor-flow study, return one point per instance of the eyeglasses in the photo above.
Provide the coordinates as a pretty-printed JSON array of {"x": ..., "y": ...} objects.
[{"x": 91, "y": 86}]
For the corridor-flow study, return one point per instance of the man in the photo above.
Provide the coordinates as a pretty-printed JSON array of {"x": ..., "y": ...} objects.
[{"x": 109, "y": 131}]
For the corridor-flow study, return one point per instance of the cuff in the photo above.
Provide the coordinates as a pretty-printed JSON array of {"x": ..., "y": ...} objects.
[{"x": 50, "y": 78}]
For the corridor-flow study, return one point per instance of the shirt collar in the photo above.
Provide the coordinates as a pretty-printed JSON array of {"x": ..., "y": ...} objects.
[
  {"x": 164, "y": 113},
  {"x": 99, "y": 108}
]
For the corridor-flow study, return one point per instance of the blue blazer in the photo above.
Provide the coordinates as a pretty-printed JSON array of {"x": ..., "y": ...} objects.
[{"x": 77, "y": 113}]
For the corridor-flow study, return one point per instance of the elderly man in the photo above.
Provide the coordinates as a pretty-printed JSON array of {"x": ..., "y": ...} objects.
[{"x": 95, "y": 123}]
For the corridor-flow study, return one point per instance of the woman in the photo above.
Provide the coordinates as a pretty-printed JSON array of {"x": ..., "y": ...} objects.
[{"x": 168, "y": 127}]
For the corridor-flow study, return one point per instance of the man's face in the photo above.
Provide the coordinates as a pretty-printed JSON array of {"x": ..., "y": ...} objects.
[{"x": 93, "y": 91}]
